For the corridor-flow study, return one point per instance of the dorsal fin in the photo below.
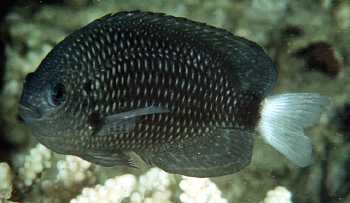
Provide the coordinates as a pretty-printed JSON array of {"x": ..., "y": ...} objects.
[
  {"x": 246, "y": 61},
  {"x": 248, "y": 66}
]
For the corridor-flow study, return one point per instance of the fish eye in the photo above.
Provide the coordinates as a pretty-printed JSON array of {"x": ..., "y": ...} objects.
[{"x": 57, "y": 95}]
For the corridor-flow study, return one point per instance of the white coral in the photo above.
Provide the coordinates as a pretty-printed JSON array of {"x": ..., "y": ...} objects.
[
  {"x": 34, "y": 163},
  {"x": 155, "y": 186},
  {"x": 278, "y": 195},
  {"x": 200, "y": 190},
  {"x": 74, "y": 174},
  {"x": 6, "y": 177},
  {"x": 113, "y": 191}
]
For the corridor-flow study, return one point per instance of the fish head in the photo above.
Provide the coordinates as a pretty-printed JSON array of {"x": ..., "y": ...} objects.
[
  {"x": 46, "y": 107},
  {"x": 39, "y": 100}
]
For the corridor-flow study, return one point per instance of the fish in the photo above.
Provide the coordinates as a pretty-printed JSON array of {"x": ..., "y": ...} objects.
[{"x": 184, "y": 96}]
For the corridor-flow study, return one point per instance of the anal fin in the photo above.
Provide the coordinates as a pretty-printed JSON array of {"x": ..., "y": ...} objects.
[
  {"x": 224, "y": 152},
  {"x": 107, "y": 158}
]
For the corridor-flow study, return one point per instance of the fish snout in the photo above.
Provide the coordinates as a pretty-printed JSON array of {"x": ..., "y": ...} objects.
[{"x": 29, "y": 111}]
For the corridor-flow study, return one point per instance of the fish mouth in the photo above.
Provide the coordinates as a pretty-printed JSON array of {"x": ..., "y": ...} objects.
[{"x": 29, "y": 111}]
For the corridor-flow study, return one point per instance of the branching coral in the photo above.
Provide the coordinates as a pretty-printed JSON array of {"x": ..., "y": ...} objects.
[
  {"x": 75, "y": 175},
  {"x": 154, "y": 186},
  {"x": 38, "y": 160},
  {"x": 200, "y": 190},
  {"x": 278, "y": 195},
  {"x": 6, "y": 177},
  {"x": 114, "y": 190}
]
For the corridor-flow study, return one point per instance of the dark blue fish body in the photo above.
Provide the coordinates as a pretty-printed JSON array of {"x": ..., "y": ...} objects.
[{"x": 184, "y": 96}]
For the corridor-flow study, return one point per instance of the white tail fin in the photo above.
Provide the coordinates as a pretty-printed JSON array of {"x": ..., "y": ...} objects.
[{"x": 283, "y": 120}]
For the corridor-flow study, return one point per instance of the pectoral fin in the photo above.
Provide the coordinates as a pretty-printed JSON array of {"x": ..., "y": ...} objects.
[{"x": 125, "y": 122}]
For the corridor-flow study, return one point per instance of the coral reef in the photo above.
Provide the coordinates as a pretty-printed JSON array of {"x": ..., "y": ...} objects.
[
  {"x": 154, "y": 186},
  {"x": 6, "y": 177},
  {"x": 74, "y": 174},
  {"x": 199, "y": 190},
  {"x": 34, "y": 163},
  {"x": 278, "y": 194},
  {"x": 281, "y": 27}
]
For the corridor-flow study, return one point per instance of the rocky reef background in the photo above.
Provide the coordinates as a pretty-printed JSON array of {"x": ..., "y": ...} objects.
[{"x": 308, "y": 40}]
